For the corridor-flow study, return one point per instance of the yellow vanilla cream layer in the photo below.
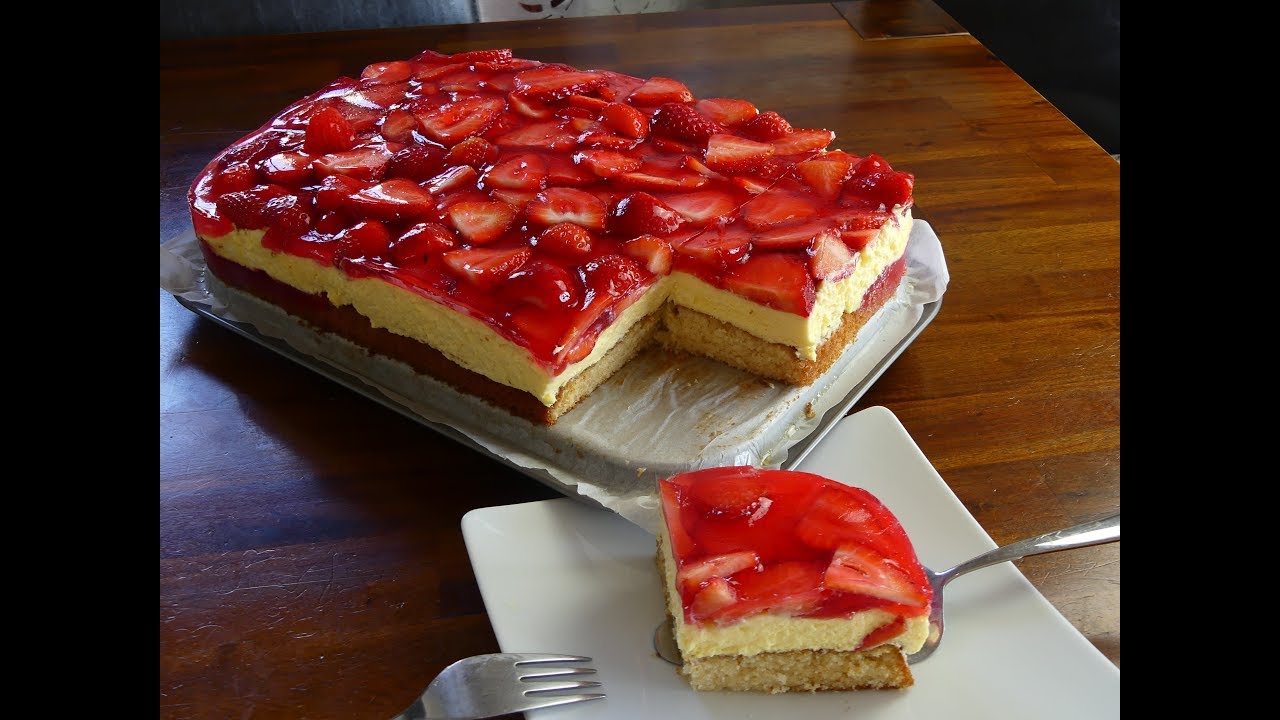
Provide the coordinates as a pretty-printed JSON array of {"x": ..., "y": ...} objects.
[
  {"x": 775, "y": 633},
  {"x": 476, "y": 346}
]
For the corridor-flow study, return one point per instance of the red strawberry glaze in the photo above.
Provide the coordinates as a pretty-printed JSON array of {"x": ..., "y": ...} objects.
[
  {"x": 748, "y": 541},
  {"x": 493, "y": 150}
]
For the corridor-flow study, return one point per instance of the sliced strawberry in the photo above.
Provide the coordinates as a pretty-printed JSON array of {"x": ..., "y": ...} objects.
[
  {"x": 786, "y": 588},
  {"x": 497, "y": 56},
  {"x": 520, "y": 172},
  {"x": 233, "y": 177},
  {"x": 692, "y": 163},
  {"x": 653, "y": 251},
  {"x": 462, "y": 82},
  {"x": 826, "y": 175},
  {"x": 552, "y": 135},
  {"x": 885, "y": 188},
  {"x": 626, "y": 120},
  {"x": 719, "y": 247},
  {"x": 691, "y": 575},
  {"x": 726, "y": 111},
  {"x": 856, "y": 240},
  {"x": 286, "y": 221},
  {"x": 642, "y": 214},
  {"x": 659, "y": 90},
  {"x": 777, "y": 207},
  {"x": 734, "y": 155},
  {"x": 778, "y": 280},
  {"x": 334, "y": 191},
  {"x": 791, "y": 236},
  {"x": 417, "y": 162},
  {"x": 701, "y": 207},
  {"x": 474, "y": 151},
  {"x": 613, "y": 276},
  {"x": 771, "y": 169},
  {"x": 587, "y": 102},
  {"x": 607, "y": 163},
  {"x": 682, "y": 122},
  {"x": 529, "y": 107},
  {"x": 517, "y": 199},
  {"x": 365, "y": 239},
  {"x": 767, "y": 126},
  {"x": 397, "y": 199},
  {"x": 575, "y": 112},
  {"x": 673, "y": 147},
  {"x": 617, "y": 87},
  {"x": 655, "y": 178},
  {"x": 566, "y": 240},
  {"x": 830, "y": 259},
  {"x": 329, "y": 131},
  {"x": 750, "y": 184},
  {"x": 567, "y": 205},
  {"x": 435, "y": 72},
  {"x": 333, "y": 222},
  {"x": 563, "y": 172},
  {"x": 803, "y": 141},
  {"x": 682, "y": 544},
  {"x": 455, "y": 178},
  {"x": 883, "y": 634},
  {"x": 481, "y": 222},
  {"x": 363, "y": 107},
  {"x": 366, "y": 163},
  {"x": 422, "y": 239},
  {"x": 549, "y": 84},
  {"x": 506, "y": 122},
  {"x": 399, "y": 126},
  {"x": 382, "y": 73},
  {"x": 860, "y": 569},
  {"x": 718, "y": 596},
  {"x": 453, "y": 122},
  {"x": 290, "y": 168},
  {"x": 729, "y": 495},
  {"x": 841, "y": 516},
  {"x": 486, "y": 268},
  {"x": 870, "y": 164},
  {"x": 244, "y": 208},
  {"x": 544, "y": 284}
]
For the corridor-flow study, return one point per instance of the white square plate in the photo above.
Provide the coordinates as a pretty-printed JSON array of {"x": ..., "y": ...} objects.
[{"x": 558, "y": 576}]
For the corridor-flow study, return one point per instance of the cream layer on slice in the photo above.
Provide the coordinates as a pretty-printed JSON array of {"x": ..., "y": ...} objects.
[
  {"x": 776, "y": 633},
  {"x": 478, "y": 347}
]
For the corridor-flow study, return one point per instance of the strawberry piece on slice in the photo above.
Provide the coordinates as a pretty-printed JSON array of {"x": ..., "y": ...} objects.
[
  {"x": 655, "y": 178},
  {"x": 233, "y": 177},
  {"x": 529, "y": 107},
  {"x": 366, "y": 163},
  {"x": 659, "y": 90},
  {"x": 383, "y": 73},
  {"x": 732, "y": 154},
  {"x": 767, "y": 126},
  {"x": 396, "y": 199},
  {"x": 455, "y": 178},
  {"x": 642, "y": 214},
  {"x": 486, "y": 268},
  {"x": 399, "y": 126},
  {"x": 562, "y": 171},
  {"x": 289, "y": 168},
  {"x": 453, "y": 122},
  {"x": 613, "y": 276},
  {"x": 366, "y": 239},
  {"x": 607, "y": 163},
  {"x": 586, "y": 102},
  {"x": 750, "y": 184},
  {"x": 726, "y": 111},
  {"x": 544, "y": 284},
  {"x": 885, "y": 188},
  {"x": 481, "y": 222},
  {"x": 692, "y": 575},
  {"x": 793, "y": 236},
  {"x": 420, "y": 240},
  {"x": 517, "y": 199},
  {"x": 566, "y": 240},
  {"x": 826, "y": 175},
  {"x": 334, "y": 191},
  {"x": 702, "y": 207},
  {"x": 720, "y": 247},
  {"x": 654, "y": 252},
  {"x": 626, "y": 120},
  {"x": 716, "y": 597},
  {"x": 551, "y": 135},
  {"x": 729, "y": 495},
  {"x": 785, "y": 588},
  {"x": 856, "y": 240},
  {"x": 803, "y": 141},
  {"x": 860, "y": 569},
  {"x": 683, "y": 123},
  {"x": 777, "y": 207},
  {"x": 778, "y": 280},
  {"x": 474, "y": 151},
  {"x": 416, "y": 162},
  {"x": 692, "y": 163},
  {"x": 549, "y": 84},
  {"x": 567, "y": 205},
  {"x": 841, "y": 516},
  {"x": 328, "y": 131},
  {"x": 830, "y": 259},
  {"x": 519, "y": 172},
  {"x": 682, "y": 543}
]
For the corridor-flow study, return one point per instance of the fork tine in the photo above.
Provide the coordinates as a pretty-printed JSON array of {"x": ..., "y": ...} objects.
[
  {"x": 555, "y": 687},
  {"x": 543, "y": 658},
  {"x": 553, "y": 700},
  {"x": 557, "y": 672}
]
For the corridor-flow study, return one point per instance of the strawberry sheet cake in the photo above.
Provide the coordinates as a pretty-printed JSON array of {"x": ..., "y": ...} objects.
[
  {"x": 520, "y": 230},
  {"x": 781, "y": 581}
]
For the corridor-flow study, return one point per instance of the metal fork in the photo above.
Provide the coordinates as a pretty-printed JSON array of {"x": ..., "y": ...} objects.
[{"x": 483, "y": 686}]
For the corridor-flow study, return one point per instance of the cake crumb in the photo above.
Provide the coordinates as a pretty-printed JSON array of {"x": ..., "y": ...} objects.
[
  {"x": 808, "y": 410},
  {"x": 641, "y": 471}
]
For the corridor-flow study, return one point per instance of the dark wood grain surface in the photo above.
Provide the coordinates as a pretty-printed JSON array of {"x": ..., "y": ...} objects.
[{"x": 311, "y": 561}]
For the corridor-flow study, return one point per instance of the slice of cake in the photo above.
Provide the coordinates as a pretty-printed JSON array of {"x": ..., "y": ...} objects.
[
  {"x": 780, "y": 581},
  {"x": 519, "y": 230}
]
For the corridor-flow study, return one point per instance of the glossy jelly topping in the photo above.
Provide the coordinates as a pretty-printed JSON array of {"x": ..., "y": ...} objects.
[
  {"x": 542, "y": 199},
  {"x": 749, "y": 541}
]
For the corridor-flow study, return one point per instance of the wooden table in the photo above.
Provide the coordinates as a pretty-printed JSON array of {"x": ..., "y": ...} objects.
[{"x": 311, "y": 561}]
